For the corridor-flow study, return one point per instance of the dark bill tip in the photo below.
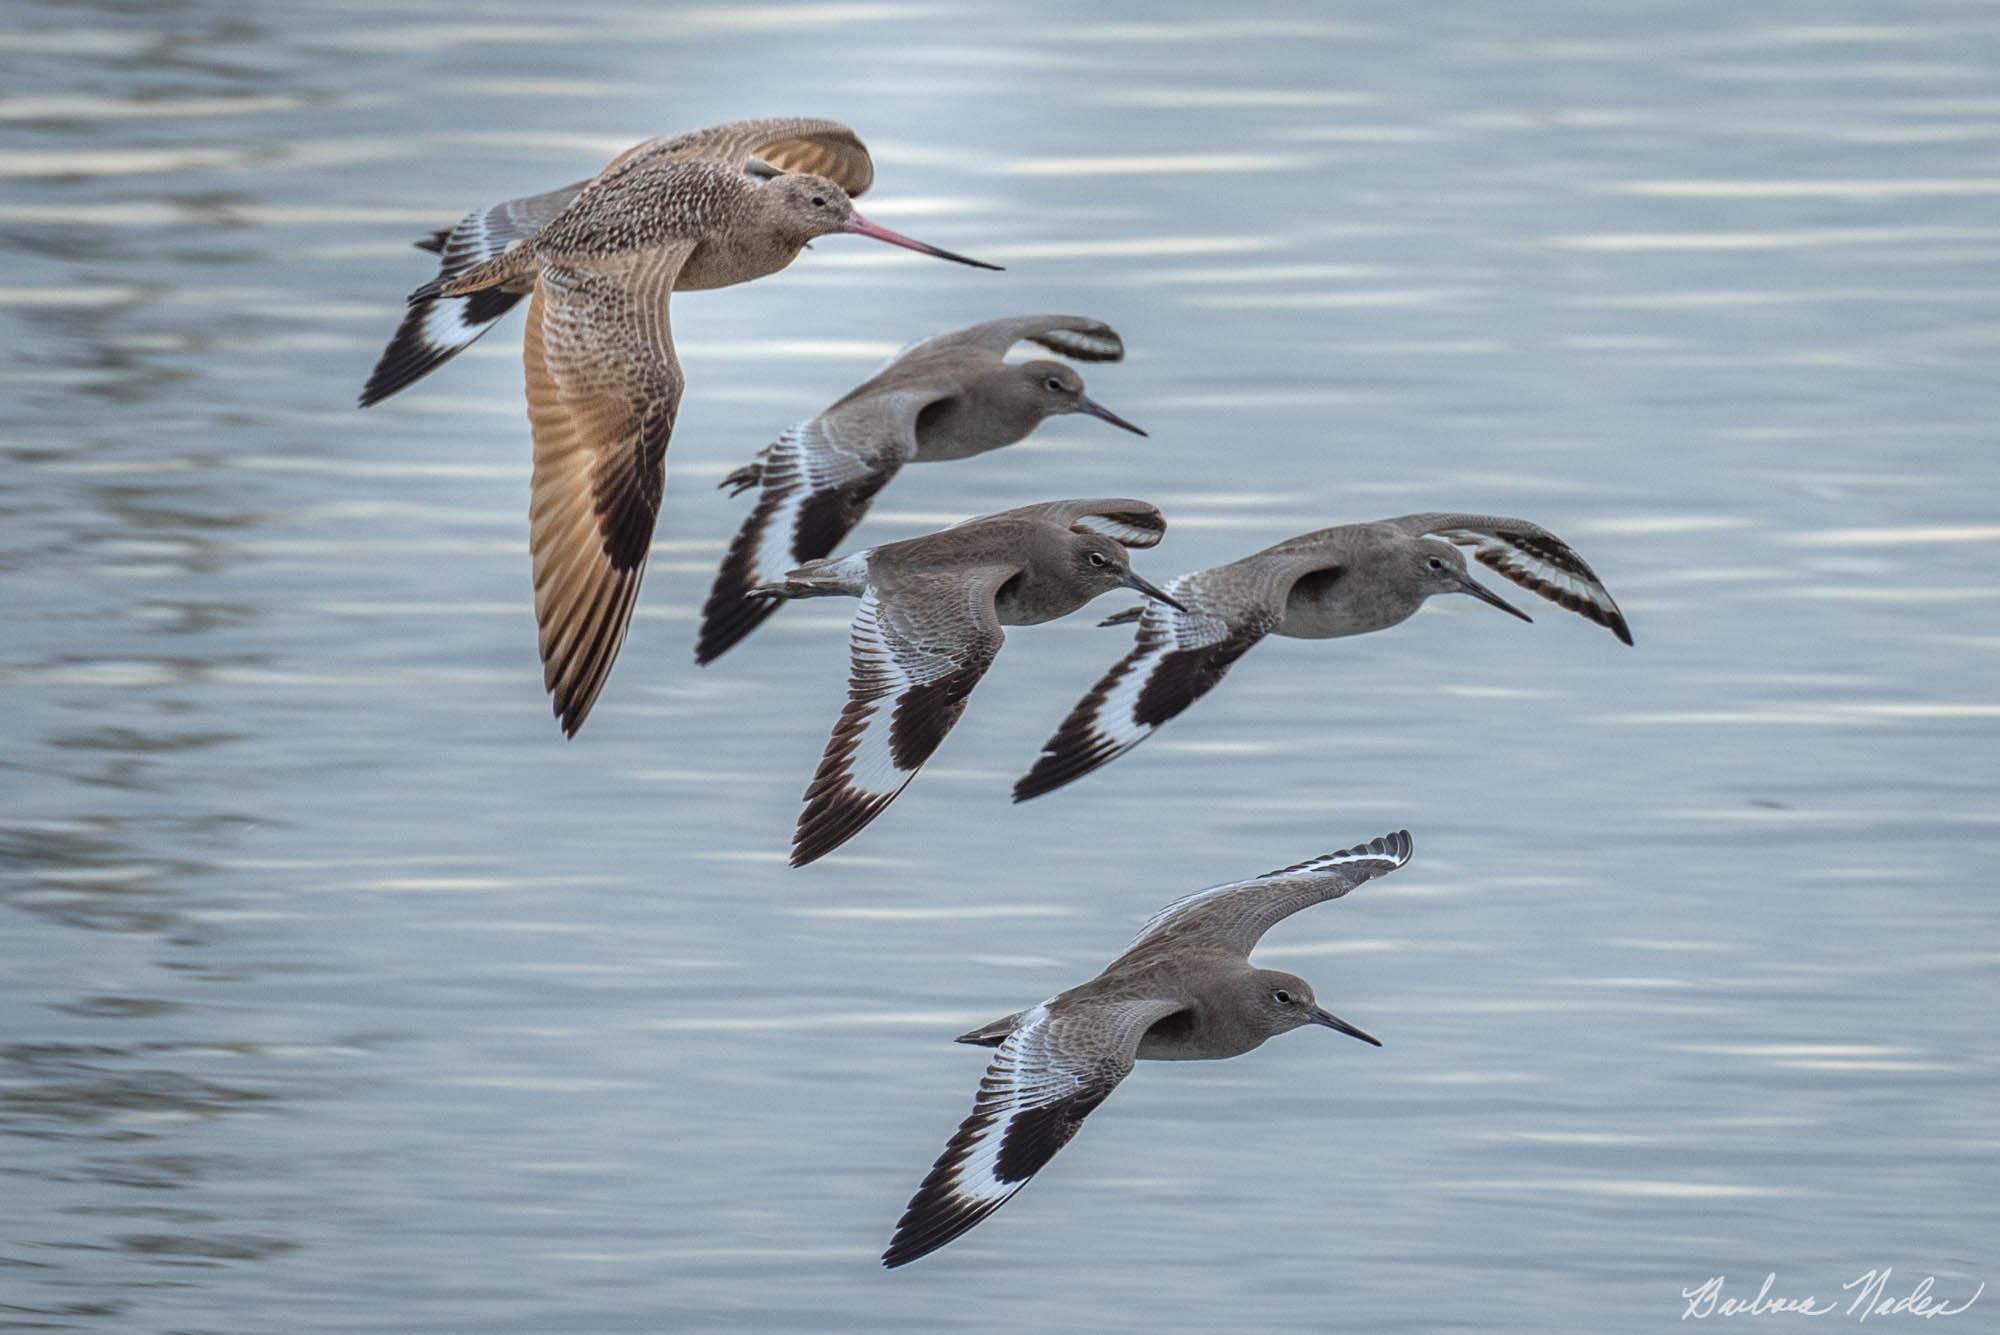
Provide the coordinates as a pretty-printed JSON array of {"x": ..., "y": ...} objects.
[
  {"x": 1086, "y": 404},
  {"x": 861, "y": 226},
  {"x": 1135, "y": 580},
  {"x": 1486, "y": 595},
  {"x": 1323, "y": 1016}
]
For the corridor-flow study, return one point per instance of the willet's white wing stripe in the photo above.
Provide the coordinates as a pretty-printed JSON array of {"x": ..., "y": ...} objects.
[{"x": 1267, "y": 899}]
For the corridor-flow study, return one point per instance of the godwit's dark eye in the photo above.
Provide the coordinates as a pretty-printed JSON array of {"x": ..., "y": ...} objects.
[
  {"x": 1282, "y": 997},
  {"x": 819, "y": 201}
]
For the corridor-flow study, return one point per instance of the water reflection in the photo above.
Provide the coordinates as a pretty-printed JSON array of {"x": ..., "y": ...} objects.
[{"x": 334, "y": 984}]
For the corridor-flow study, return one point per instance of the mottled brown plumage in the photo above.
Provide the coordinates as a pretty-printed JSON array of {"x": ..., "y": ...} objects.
[{"x": 602, "y": 258}]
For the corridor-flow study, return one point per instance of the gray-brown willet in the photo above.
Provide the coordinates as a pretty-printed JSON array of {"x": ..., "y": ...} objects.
[
  {"x": 1184, "y": 990},
  {"x": 929, "y": 626},
  {"x": 947, "y": 397},
  {"x": 1340, "y": 581},
  {"x": 601, "y": 258}
]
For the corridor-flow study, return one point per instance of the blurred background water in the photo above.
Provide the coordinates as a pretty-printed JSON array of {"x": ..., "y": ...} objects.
[{"x": 337, "y": 992}]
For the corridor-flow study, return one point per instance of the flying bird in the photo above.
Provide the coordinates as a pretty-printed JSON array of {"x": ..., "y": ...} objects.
[
  {"x": 947, "y": 397},
  {"x": 928, "y": 627},
  {"x": 1348, "y": 580},
  {"x": 1184, "y": 990},
  {"x": 598, "y": 261}
]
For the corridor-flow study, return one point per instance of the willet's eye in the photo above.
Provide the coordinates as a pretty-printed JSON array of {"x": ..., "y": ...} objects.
[
  {"x": 1282, "y": 997},
  {"x": 1055, "y": 384},
  {"x": 1097, "y": 558},
  {"x": 1436, "y": 564}
]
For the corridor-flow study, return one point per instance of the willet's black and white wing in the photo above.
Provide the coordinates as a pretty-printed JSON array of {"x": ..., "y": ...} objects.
[
  {"x": 1531, "y": 557},
  {"x": 1063, "y": 1060},
  {"x": 920, "y": 643},
  {"x": 1236, "y": 916},
  {"x": 437, "y": 328},
  {"x": 1132, "y": 523},
  {"x": 1176, "y": 658},
  {"x": 815, "y": 483},
  {"x": 1077, "y": 337}
]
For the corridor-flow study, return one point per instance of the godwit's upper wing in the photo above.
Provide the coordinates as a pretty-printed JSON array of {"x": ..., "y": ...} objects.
[
  {"x": 1077, "y": 337},
  {"x": 1176, "y": 658},
  {"x": 1235, "y": 916},
  {"x": 603, "y": 388},
  {"x": 1132, "y": 523},
  {"x": 437, "y": 328},
  {"x": 816, "y": 482},
  {"x": 1063, "y": 1060},
  {"x": 921, "y": 641},
  {"x": 782, "y": 144},
  {"x": 1532, "y": 557}
]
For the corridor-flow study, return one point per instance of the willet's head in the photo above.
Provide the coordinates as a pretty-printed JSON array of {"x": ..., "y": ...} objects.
[
  {"x": 802, "y": 207},
  {"x": 1050, "y": 389},
  {"x": 1271, "y": 1002},
  {"x": 1439, "y": 567},
  {"x": 1098, "y": 564}
]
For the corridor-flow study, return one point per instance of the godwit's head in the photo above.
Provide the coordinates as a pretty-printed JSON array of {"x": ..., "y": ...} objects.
[{"x": 804, "y": 207}]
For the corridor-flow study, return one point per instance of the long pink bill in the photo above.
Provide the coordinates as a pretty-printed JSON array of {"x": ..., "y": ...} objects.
[{"x": 861, "y": 226}]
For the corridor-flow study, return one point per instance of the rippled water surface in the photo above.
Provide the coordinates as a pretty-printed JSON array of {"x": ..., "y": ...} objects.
[{"x": 337, "y": 992}]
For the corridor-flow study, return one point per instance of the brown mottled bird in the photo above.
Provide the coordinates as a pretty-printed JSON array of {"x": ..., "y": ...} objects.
[
  {"x": 1348, "y": 580},
  {"x": 599, "y": 261},
  {"x": 950, "y": 396},
  {"x": 929, "y": 626},
  {"x": 1184, "y": 990}
]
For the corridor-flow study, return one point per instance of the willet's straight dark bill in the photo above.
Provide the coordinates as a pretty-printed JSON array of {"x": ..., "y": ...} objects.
[
  {"x": 1340, "y": 581},
  {"x": 929, "y": 626},
  {"x": 601, "y": 258},
  {"x": 947, "y": 397},
  {"x": 1183, "y": 990}
]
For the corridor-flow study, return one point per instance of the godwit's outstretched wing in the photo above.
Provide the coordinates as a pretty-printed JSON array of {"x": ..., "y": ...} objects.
[
  {"x": 603, "y": 388},
  {"x": 772, "y": 144}
]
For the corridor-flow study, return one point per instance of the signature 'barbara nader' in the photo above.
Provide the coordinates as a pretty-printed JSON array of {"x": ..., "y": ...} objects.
[{"x": 1869, "y": 1297}]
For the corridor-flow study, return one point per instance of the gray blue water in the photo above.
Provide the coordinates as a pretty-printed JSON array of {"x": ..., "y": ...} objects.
[{"x": 338, "y": 993}]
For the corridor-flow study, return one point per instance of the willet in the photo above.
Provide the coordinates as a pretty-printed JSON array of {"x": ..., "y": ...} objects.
[
  {"x": 1340, "y": 581},
  {"x": 1184, "y": 990},
  {"x": 947, "y": 397},
  {"x": 601, "y": 258},
  {"x": 929, "y": 626}
]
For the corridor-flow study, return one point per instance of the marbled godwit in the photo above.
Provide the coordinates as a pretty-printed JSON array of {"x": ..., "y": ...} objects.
[{"x": 601, "y": 258}]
